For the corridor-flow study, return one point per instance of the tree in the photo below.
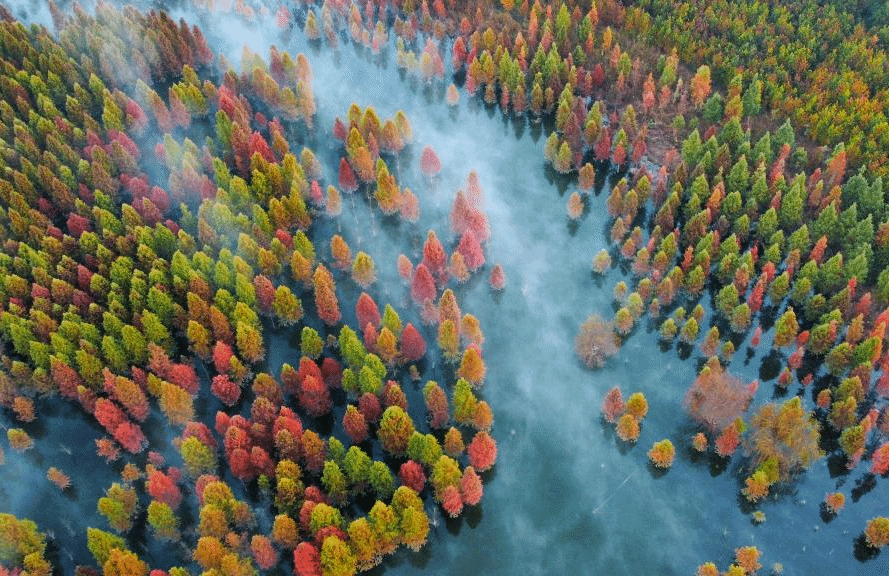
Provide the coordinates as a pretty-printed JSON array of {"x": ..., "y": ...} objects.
[
  {"x": 314, "y": 397},
  {"x": 380, "y": 480},
  {"x": 363, "y": 270},
  {"x": 334, "y": 482},
  {"x": 264, "y": 553},
  {"x": 465, "y": 402},
  {"x": 413, "y": 347},
  {"x": 306, "y": 560},
  {"x": 287, "y": 307},
  {"x": 163, "y": 488},
  {"x": 414, "y": 526},
  {"x": 285, "y": 532},
  {"x": 449, "y": 341},
  {"x": 482, "y": 451},
  {"x": 436, "y": 404},
  {"x": 355, "y": 425},
  {"x": 497, "y": 279},
  {"x": 422, "y": 285},
  {"x": 366, "y": 311},
  {"x": 784, "y": 435},
  {"x": 361, "y": 541},
  {"x": 471, "y": 250},
  {"x": 430, "y": 164},
  {"x": 637, "y": 406},
  {"x": 326, "y": 301},
  {"x": 880, "y": 460},
  {"x": 627, "y": 428},
  {"x": 130, "y": 436},
  {"x": 613, "y": 405},
  {"x": 122, "y": 562},
  {"x": 727, "y": 442},
  {"x": 472, "y": 367},
  {"x": 834, "y": 502},
  {"x": 662, "y": 454},
  {"x": 435, "y": 259},
  {"x": 786, "y": 329},
  {"x": 716, "y": 398},
  {"x": 387, "y": 193},
  {"x": 249, "y": 341},
  {"x": 346, "y": 179},
  {"x": 163, "y": 521},
  {"x": 700, "y": 86},
  {"x": 395, "y": 429},
  {"x": 119, "y": 505},
  {"x": 876, "y": 534},
  {"x": 411, "y": 475},
  {"x": 223, "y": 388},
  {"x": 595, "y": 342},
  {"x": 310, "y": 342}
]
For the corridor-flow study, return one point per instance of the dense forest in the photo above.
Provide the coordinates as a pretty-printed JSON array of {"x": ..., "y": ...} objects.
[{"x": 191, "y": 267}]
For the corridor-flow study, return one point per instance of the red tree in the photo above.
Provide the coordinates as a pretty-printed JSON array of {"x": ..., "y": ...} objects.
[
  {"x": 411, "y": 475},
  {"x": 471, "y": 487},
  {"x": 471, "y": 251},
  {"x": 435, "y": 258},
  {"x": 222, "y": 354},
  {"x": 130, "y": 436},
  {"x": 65, "y": 378},
  {"x": 346, "y": 180},
  {"x": 163, "y": 489},
  {"x": 261, "y": 461},
  {"x": 413, "y": 347},
  {"x": 314, "y": 396},
  {"x": 265, "y": 294},
  {"x": 306, "y": 560},
  {"x": 613, "y": 405},
  {"x": 355, "y": 425},
  {"x": 367, "y": 311},
  {"x": 482, "y": 451},
  {"x": 331, "y": 373},
  {"x": 430, "y": 164},
  {"x": 184, "y": 376},
  {"x": 451, "y": 501},
  {"x": 223, "y": 388},
  {"x": 880, "y": 460},
  {"x": 727, "y": 442},
  {"x": 108, "y": 414},
  {"x": 498, "y": 278},
  {"x": 369, "y": 406},
  {"x": 436, "y": 404},
  {"x": 263, "y": 552},
  {"x": 241, "y": 466},
  {"x": 423, "y": 285}
]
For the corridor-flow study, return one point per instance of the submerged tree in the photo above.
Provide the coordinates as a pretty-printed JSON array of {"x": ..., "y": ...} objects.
[
  {"x": 783, "y": 438},
  {"x": 716, "y": 398},
  {"x": 596, "y": 342}
]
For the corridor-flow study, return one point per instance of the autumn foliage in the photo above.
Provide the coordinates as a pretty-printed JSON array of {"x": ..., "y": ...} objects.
[
  {"x": 595, "y": 342},
  {"x": 716, "y": 398}
]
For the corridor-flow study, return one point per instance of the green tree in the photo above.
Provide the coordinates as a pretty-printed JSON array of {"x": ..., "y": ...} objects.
[
  {"x": 337, "y": 558},
  {"x": 395, "y": 430},
  {"x": 311, "y": 344}
]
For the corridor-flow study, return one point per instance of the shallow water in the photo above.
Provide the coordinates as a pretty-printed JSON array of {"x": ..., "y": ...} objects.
[{"x": 565, "y": 497}]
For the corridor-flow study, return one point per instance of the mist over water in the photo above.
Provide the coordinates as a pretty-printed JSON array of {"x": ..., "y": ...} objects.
[{"x": 566, "y": 496}]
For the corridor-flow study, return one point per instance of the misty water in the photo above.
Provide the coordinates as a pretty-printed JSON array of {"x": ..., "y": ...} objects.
[{"x": 566, "y": 496}]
